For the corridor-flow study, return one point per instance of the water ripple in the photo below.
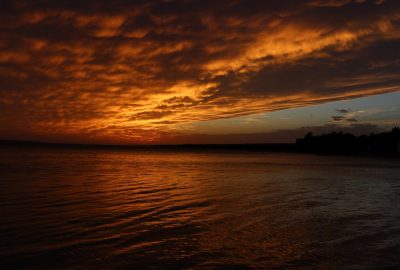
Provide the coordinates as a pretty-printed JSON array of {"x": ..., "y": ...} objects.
[{"x": 103, "y": 209}]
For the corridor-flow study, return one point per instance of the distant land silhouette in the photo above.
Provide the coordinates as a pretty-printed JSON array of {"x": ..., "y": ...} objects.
[
  {"x": 334, "y": 143},
  {"x": 385, "y": 143}
]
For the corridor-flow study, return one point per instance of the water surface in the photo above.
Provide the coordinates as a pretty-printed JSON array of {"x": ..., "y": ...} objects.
[{"x": 110, "y": 209}]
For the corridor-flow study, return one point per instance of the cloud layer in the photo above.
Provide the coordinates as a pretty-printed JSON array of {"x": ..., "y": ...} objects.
[{"x": 132, "y": 71}]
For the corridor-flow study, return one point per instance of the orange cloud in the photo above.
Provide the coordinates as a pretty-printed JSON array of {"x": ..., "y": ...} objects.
[{"x": 135, "y": 72}]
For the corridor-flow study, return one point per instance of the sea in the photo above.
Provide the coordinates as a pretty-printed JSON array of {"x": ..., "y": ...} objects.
[{"x": 105, "y": 208}]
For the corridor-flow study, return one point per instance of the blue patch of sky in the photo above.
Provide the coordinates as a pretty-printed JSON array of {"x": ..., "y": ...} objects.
[{"x": 383, "y": 110}]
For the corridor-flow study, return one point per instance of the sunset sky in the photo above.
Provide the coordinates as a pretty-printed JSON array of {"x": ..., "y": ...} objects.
[{"x": 197, "y": 71}]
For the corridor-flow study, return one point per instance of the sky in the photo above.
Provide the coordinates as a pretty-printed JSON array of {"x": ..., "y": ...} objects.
[{"x": 197, "y": 71}]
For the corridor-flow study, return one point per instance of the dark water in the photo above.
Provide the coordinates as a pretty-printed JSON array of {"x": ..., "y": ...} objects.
[{"x": 105, "y": 209}]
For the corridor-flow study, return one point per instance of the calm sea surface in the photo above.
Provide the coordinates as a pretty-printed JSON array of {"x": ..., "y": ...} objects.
[{"x": 109, "y": 209}]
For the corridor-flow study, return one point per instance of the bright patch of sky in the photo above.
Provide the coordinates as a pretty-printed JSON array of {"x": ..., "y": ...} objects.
[{"x": 382, "y": 110}]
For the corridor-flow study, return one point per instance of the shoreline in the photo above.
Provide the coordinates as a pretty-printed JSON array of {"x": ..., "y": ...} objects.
[{"x": 290, "y": 148}]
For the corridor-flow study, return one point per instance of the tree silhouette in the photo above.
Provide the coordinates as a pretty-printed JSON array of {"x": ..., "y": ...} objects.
[{"x": 385, "y": 143}]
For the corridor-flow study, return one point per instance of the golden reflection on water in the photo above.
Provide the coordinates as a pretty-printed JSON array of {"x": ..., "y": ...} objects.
[{"x": 112, "y": 209}]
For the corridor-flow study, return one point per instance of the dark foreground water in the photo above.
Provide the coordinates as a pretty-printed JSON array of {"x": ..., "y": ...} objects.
[{"x": 105, "y": 209}]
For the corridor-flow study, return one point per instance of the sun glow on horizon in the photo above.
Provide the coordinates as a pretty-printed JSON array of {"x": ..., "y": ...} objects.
[{"x": 143, "y": 73}]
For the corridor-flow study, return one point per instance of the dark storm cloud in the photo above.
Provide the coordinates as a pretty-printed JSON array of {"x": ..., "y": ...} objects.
[
  {"x": 134, "y": 69},
  {"x": 344, "y": 111}
]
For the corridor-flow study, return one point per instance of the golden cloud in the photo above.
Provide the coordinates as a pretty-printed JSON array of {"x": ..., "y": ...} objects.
[{"x": 134, "y": 72}]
